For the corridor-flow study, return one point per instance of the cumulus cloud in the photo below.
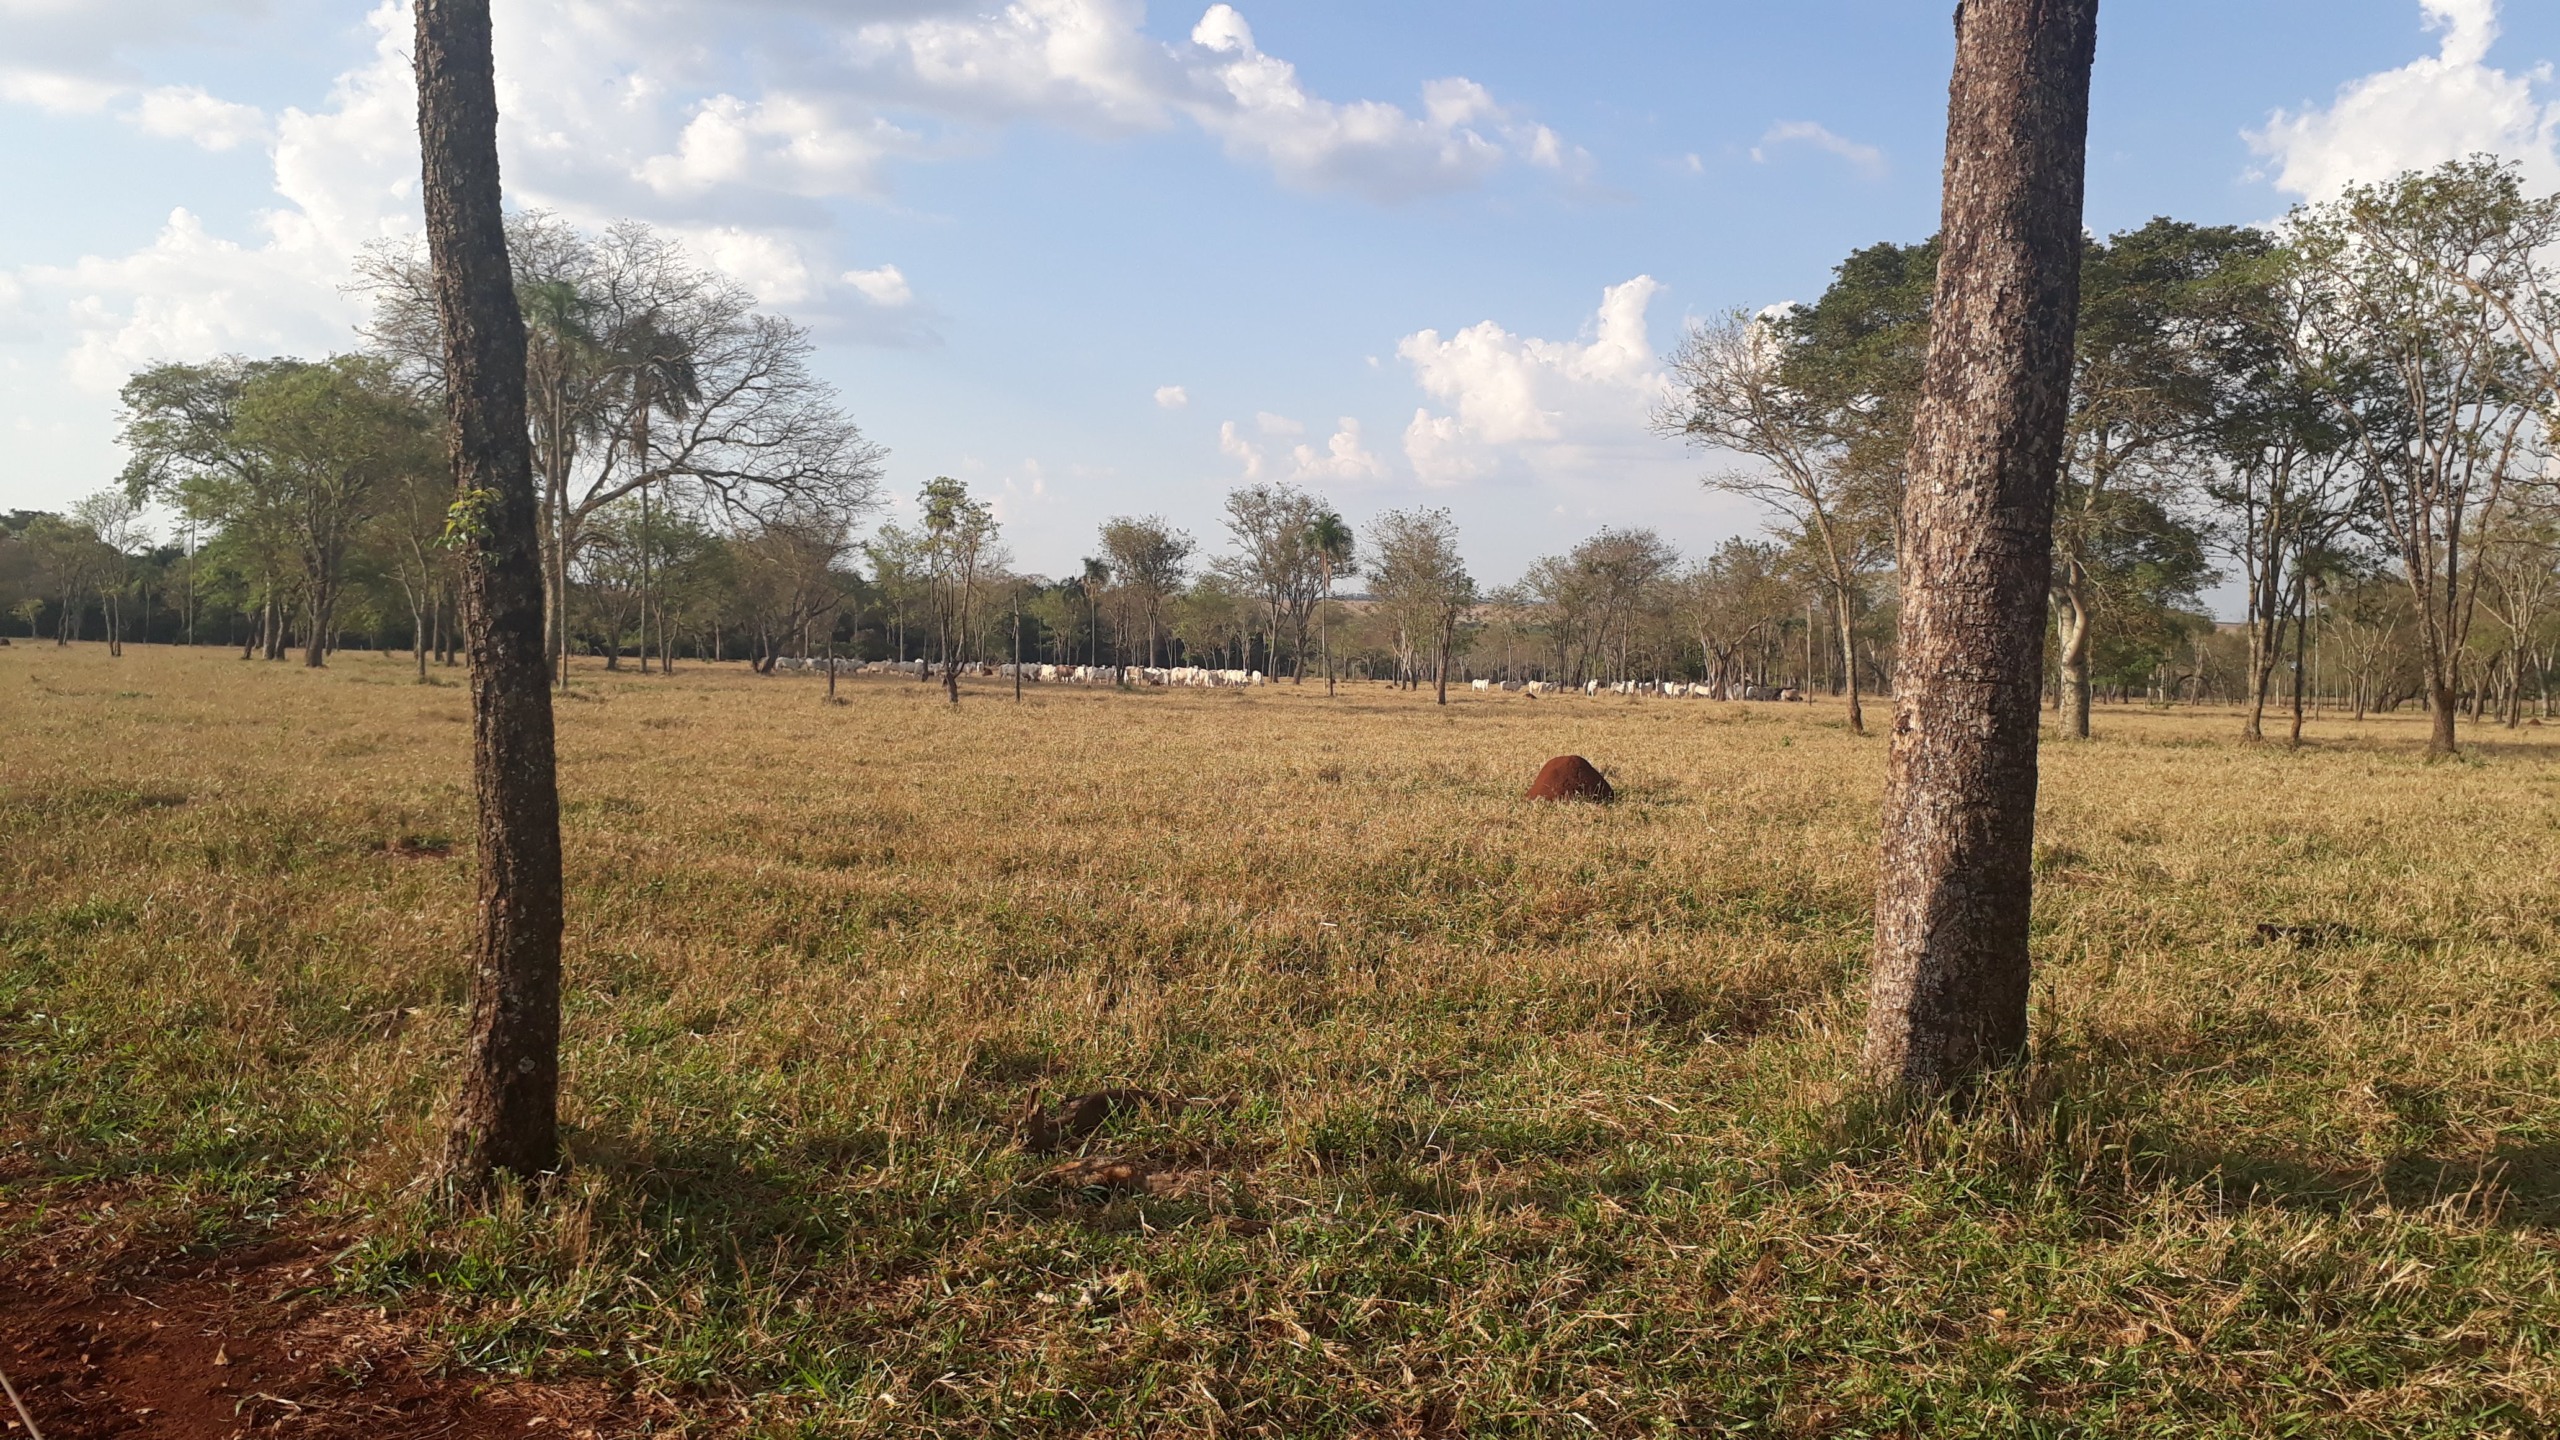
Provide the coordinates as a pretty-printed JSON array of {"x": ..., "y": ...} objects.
[
  {"x": 2436, "y": 108},
  {"x": 1088, "y": 64},
  {"x": 1172, "y": 397},
  {"x": 1344, "y": 457},
  {"x": 187, "y": 112},
  {"x": 1505, "y": 396},
  {"x": 1865, "y": 159},
  {"x": 1271, "y": 424},
  {"x": 1255, "y": 103},
  {"x": 884, "y": 286},
  {"x": 1233, "y": 445}
]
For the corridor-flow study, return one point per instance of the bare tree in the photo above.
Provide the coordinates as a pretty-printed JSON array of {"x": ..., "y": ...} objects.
[
  {"x": 1734, "y": 395},
  {"x": 653, "y": 377},
  {"x": 507, "y": 1118},
  {"x": 1950, "y": 975}
]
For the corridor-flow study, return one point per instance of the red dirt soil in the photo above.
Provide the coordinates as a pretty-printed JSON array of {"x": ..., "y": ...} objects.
[
  {"x": 238, "y": 1345},
  {"x": 1569, "y": 777}
]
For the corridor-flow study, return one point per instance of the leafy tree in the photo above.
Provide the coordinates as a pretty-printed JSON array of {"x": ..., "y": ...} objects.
[
  {"x": 1330, "y": 540},
  {"x": 1275, "y": 559},
  {"x": 1421, "y": 582},
  {"x": 2413, "y": 287},
  {"x": 959, "y": 552},
  {"x": 1148, "y": 559}
]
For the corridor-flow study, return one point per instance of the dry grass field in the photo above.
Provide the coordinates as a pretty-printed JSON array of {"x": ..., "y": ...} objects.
[{"x": 1495, "y": 1119}]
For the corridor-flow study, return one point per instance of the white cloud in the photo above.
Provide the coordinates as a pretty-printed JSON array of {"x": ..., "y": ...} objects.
[
  {"x": 786, "y": 143},
  {"x": 1866, "y": 159},
  {"x": 1089, "y": 64},
  {"x": 2437, "y": 108},
  {"x": 1172, "y": 397},
  {"x": 885, "y": 286},
  {"x": 1271, "y": 424},
  {"x": 1233, "y": 445},
  {"x": 634, "y": 109},
  {"x": 186, "y": 112},
  {"x": 1343, "y": 458},
  {"x": 1508, "y": 396},
  {"x": 1255, "y": 103}
]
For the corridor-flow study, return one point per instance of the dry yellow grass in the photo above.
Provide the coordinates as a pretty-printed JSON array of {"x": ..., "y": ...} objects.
[{"x": 1516, "y": 1120}]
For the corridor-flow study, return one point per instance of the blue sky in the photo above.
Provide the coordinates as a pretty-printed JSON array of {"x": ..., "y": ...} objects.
[{"x": 1102, "y": 256}]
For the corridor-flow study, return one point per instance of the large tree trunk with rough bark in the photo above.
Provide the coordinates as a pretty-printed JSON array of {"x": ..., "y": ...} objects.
[
  {"x": 1950, "y": 974},
  {"x": 507, "y": 1118}
]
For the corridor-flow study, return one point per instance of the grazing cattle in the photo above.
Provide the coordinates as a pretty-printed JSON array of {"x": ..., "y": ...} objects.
[{"x": 1484, "y": 684}]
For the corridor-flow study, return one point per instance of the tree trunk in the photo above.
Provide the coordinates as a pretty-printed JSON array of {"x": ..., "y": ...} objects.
[
  {"x": 315, "y": 647},
  {"x": 1950, "y": 975},
  {"x": 1849, "y": 662},
  {"x": 2071, "y": 634},
  {"x": 507, "y": 1116}
]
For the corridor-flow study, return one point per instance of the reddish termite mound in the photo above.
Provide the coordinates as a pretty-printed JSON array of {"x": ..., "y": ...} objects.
[{"x": 1569, "y": 777}]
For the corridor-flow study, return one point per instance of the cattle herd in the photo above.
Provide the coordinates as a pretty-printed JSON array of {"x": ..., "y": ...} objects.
[{"x": 1203, "y": 678}]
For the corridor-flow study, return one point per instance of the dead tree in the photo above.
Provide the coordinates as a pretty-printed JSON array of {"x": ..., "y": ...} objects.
[
  {"x": 507, "y": 1118},
  {"x": 1950, "y": 976}
]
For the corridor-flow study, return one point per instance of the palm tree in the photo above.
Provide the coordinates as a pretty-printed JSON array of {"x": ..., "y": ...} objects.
[
  {"x": 663, "y": 381},
  {"x": 562, "y": 355},
  {"x": 1097, "y": 578},
  {"x": 1330, "y": 538}
]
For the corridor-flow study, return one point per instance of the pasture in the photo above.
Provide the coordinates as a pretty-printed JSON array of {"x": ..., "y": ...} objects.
[{"x": 1472, "y": 1117}]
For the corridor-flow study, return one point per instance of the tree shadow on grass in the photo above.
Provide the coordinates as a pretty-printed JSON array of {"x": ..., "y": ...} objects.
[
  {"x": 2087, "y": 1115},
  {"x": 732, "y": 1191},
  {"x": 2512, "y": 1187}
]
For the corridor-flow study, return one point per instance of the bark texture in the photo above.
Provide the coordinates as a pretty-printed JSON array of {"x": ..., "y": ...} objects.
[
  {"x": 1950, "y": 974},
  {"x": 507, "y": 1117}
]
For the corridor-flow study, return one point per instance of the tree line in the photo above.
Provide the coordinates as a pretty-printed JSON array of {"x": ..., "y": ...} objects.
[{"x": 2347, "y": 416}]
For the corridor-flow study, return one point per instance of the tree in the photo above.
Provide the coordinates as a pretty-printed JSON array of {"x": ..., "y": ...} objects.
[
  {"x": 1737, "y": 603},
  {"x": 651, "y": 375},
  {"x": 336, "y": 438},
  {"x": 1276, "y": 560},
  {"x": 2413, "y": 286},
  {"x": 180, "y": 425},
  {"x": 507, "y": 1117},
  {"x": 1419, "y": 579},
  {"x": 1330, "y": 540},
  {"x": 1148, "y": 558},
  {"x": 112, "y": 520},
  {"x": 1950, "y": 974},
  {"x": 788, "y": 581},
  {"x": 1094, "y": 579},
  {"x": 2279, "y": 477},
  {"x": 1734, "y": 393},
  {"x": 67, "y": 561},
  {"x": 959, "y": 551},
  {"x": 2153, "y": 310}
]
